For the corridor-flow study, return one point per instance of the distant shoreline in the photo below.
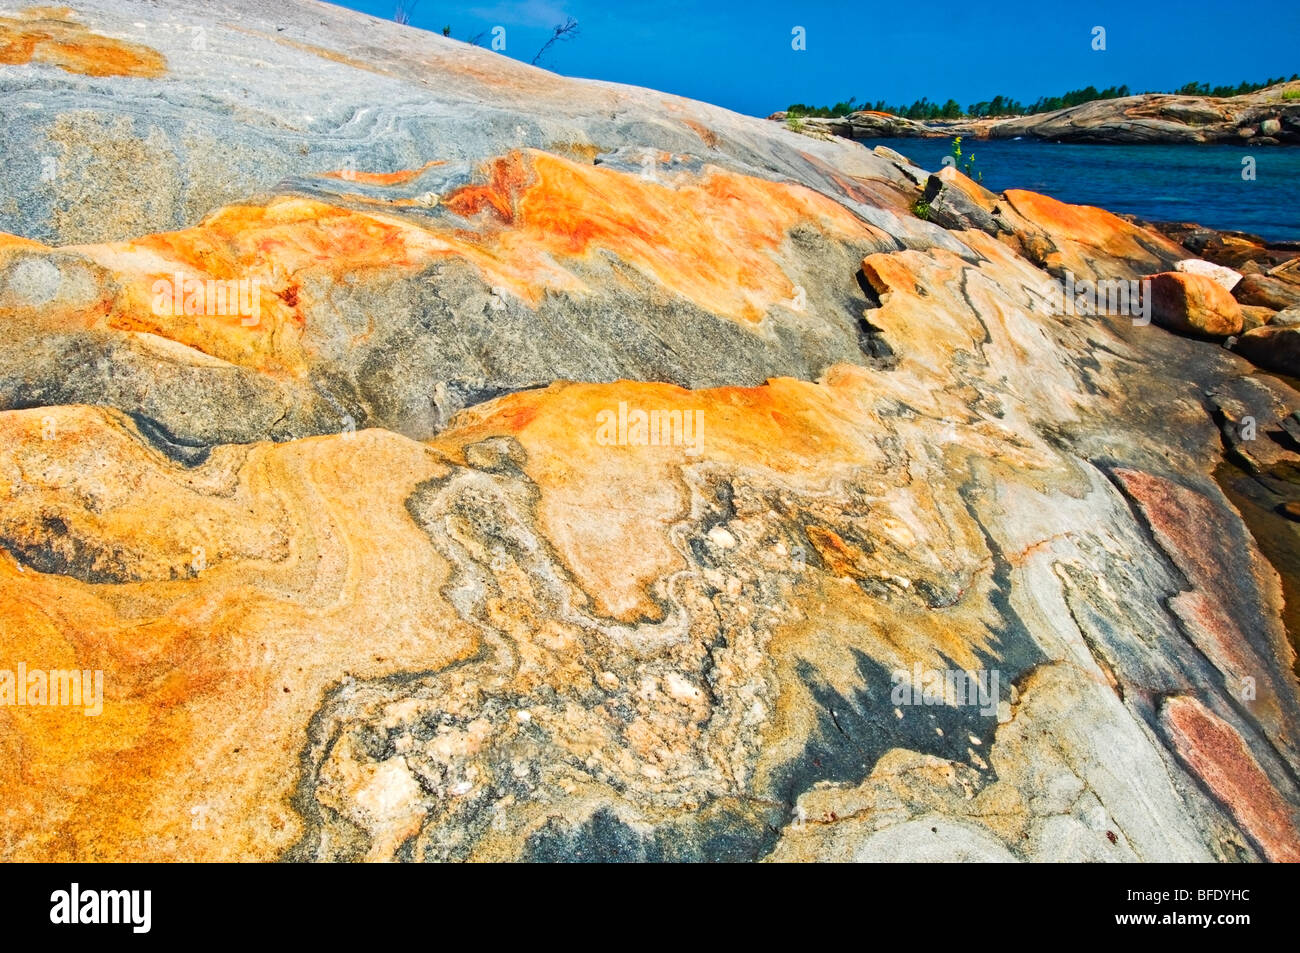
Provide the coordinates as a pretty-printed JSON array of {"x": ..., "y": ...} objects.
[{"x": 1262, "y": 118}]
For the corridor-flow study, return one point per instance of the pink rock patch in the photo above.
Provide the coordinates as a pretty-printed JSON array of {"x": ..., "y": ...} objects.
[{"x": 1213, "y": 750}]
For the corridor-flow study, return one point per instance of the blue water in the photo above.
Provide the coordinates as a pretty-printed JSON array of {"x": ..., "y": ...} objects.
[{"x": 1159, "y": 183}]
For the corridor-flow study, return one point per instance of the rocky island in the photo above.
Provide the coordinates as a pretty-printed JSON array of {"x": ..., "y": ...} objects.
[
  {"x": 418, "y": 455},
  {"x": 1268, "y": 116}
]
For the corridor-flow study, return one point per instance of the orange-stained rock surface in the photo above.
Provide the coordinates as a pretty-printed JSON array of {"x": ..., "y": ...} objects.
[
  {"x": 52, "y": 36},
  {"x": 222, "y": 600},
  {"x": 597, "y": 500},
  {"x": 436, "y": 458},
  {"x": 713, "y": 241},
  {"x": 400, "y": 177},
  {"x": 219, "y": 603},
  {"x": 1089, "y": 242}
]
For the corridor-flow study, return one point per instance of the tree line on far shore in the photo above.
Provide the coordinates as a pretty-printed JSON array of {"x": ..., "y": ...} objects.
[{"x": 923, "y": 108}]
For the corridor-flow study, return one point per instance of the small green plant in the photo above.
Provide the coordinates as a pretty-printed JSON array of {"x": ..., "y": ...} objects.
[
  {"x": 1291, "y": 94},
  {"x": 921, "y": 209},
  {"x": 446, "y": 31},
  {"x": 794, "y": 123},
  {"x": 968, "y": 166}
]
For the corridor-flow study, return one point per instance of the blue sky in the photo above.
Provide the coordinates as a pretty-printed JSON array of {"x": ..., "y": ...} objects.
[{"x": 739, "y": 55}]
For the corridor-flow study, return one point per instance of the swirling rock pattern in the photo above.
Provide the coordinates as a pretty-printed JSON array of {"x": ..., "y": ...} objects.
[{"x": 593, "y": 466}]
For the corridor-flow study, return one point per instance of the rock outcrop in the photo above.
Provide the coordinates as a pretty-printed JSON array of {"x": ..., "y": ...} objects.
[{"x": 433, "y": 458}]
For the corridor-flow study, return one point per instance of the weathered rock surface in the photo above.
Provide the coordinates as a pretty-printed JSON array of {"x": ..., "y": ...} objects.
[{"x": 594, "y": 473}]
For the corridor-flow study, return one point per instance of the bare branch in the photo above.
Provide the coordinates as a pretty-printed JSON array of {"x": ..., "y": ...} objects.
[
  {"x": 563, "y": 31},
  {"x": 404, "y": 10}
]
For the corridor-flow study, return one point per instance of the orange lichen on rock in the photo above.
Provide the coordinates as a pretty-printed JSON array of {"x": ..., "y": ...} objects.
[
  {"x": 976, "y": 193},
  {"x": 400, "y": 177},
  {"x": 49, "y": 35},
  {"x": 1082, "y": 223},
  {"x": 219, "y": 604},
  {"x": 274, "y": 248},
  {"x": 8, "y": 241},
  {"x": 707, "y": 135},
  {"x": 1075, "y": 235},
  {"x": 713, "y": 240},
  {"x": 44, "y": 290},
  {"x": 506, "y": 178},
  {"x": 222, "y": 601},
  {"x": 1216, "y": 753},
  {"x": 936, "y": 304},
  {"x": 609, "y": 493}
]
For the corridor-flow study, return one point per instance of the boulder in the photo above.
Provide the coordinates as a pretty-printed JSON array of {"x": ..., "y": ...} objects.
[
  {"x": 1194, "y": 304},
  {"x": 1284, "y": 319},
  {"x": 1267, "y": 291},
  {"x": 1270, "y": 127},
  {"x": 1219, "y": 273},
  {"x": 1275, "y": 348}
]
